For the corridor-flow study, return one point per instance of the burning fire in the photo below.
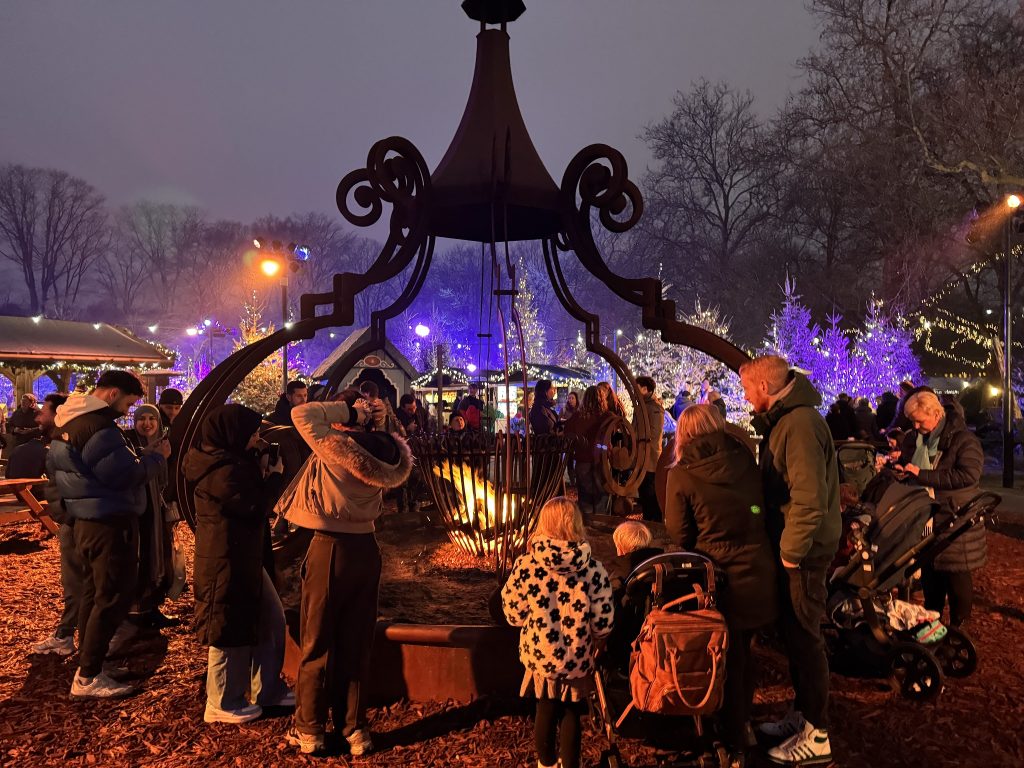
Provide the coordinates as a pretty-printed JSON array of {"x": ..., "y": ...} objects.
[{"x": 480, "y": 522}]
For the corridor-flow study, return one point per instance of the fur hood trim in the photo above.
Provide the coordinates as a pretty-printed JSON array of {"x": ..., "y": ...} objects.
[{"x": 340, "y": 450}]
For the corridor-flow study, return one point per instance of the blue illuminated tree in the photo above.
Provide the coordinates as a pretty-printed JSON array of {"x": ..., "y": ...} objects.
[
  {"x": 883, "y": 351},
  {"x": 793, "y": 335}
]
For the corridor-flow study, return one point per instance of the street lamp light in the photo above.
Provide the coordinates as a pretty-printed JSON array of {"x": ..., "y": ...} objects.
[{"x": 274, "y": 262}]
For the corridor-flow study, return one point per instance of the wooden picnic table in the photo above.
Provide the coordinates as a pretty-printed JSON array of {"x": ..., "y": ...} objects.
[{"x": 13, "y": 491}]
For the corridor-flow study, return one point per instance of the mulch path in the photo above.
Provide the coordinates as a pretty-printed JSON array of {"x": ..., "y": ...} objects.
[{"x": 976, "y": 722}]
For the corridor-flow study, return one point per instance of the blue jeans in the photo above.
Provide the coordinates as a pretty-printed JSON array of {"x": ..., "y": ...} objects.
[{"x": 251, "y": 673}]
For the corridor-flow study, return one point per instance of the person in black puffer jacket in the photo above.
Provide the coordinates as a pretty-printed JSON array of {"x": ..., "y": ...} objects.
[
  {"x": 942, "y": 454},
  {"x": 713, "y": 505},
  {"x": 238, "y": 612},
  {"x": 102, "y": 482}
]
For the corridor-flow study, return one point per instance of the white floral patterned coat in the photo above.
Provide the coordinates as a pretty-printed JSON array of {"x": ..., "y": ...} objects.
[{"x": 562, "y": 598}]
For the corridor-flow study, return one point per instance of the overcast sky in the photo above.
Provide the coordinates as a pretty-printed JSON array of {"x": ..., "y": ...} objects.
[{"x": 245, "y": 107}]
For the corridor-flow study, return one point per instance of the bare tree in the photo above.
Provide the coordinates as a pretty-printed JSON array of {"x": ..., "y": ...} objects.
[
  {"x": 53, "y": 226},
  {"x": 162, "y": 235},
  {"x": 210, "y": 268},
  {"x": 713, "y": 192},
  {"x": 926, "y": 97},
  {"x": 123, "y": 274}
]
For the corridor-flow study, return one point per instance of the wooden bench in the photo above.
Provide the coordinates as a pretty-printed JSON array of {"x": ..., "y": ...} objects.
[{"x": 15, "y": 493}]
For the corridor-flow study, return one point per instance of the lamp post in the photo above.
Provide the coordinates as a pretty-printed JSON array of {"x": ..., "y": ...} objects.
[
  {"x": 1013, "y": 223},
  {"x": 615, "y": 349},
  {"x": 279, "y": 260}
]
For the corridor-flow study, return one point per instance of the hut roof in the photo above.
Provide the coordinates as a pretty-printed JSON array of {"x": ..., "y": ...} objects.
[
  {"x": 326, "y": 369},
  {"x": 27, "y": 340}
]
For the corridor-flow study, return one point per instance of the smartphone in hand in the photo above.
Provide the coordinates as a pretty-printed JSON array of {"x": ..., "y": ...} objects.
[{"x": 273, "y": 454}]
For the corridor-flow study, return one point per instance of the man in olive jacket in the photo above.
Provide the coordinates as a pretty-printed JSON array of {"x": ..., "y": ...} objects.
[{"x": 801, "y": 488}]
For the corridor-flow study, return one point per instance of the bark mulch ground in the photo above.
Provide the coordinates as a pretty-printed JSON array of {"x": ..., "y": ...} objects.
[{"x": 976, "y": 722}]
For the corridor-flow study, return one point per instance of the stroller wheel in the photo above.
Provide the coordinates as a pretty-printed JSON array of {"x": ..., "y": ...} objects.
[
  {"x": 916, "y": 671},
  {"x": 957, "y": 654}
]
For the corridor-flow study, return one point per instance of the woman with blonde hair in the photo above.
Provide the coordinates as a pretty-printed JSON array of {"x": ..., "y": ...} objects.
[
  {"x": 562, "y": 598},
  {"x": 940, "y": 453},
  {"x": 713, "y": 505}
]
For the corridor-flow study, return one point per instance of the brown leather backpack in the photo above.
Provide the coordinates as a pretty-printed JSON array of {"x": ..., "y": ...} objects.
[{"x": 678, "y": 662}]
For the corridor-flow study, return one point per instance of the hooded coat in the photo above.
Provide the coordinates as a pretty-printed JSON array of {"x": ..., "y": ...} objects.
[
  {"x": 714, "y": 505},
  {"x": 562, "y": 598},
  {"x": 96, "y": 472},
  {"x": 342, "y": 487},
  {"x": 956, "y": 479},
  {"x": 800, "y": 475},
  {"x": 232, "y": 502}
]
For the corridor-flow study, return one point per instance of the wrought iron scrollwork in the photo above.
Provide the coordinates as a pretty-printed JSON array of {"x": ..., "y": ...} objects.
[
  {"x": 396, "y": 174},
  {"x": 599, "y": 176}
]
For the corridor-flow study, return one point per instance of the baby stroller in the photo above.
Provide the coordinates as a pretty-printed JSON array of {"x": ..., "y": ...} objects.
[
  {"x": 856, "y": 463},
  {"x": 869, "y": 630},
  {"x": 676, "y": 582}
]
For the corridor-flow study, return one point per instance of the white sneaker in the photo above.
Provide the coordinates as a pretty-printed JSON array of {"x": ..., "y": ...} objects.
[
  {"x": 244, "y": 715},
  {"x": 62, "y": 646},
  {"x": 808, "y": 747},
  {"x": 308, "y": 743},
  {"x": 99, "y": 687},
  {"x": 791, "y": 724},
  {"x": 359, "y": 742}
]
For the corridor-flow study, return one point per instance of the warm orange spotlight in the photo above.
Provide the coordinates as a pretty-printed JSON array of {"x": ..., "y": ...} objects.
[
  {"x": 1013, "y": 201},
  {"x": 270, "y": 267}
]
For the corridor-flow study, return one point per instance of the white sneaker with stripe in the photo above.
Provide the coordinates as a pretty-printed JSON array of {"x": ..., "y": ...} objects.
[{"x": 809, "y": 746}]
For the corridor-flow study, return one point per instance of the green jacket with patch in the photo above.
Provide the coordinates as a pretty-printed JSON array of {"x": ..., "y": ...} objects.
[{"x": 800, "y": 475}]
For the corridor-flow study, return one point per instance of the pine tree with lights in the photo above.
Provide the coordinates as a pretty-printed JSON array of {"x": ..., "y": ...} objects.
[
  {"x": 882, "y": 349},
  {"x": 534, "y": 334},
  {"x": 675, "y": 367},
  {"x": 835, "y": 369},
  {"x": 262, "y": 387},
  {"x": 793, "y": 336}
]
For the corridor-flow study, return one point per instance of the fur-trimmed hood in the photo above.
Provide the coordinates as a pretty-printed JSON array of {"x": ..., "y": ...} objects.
[
  {"x": 376, "y": 458},
  {"x": 341, "y": 489}
]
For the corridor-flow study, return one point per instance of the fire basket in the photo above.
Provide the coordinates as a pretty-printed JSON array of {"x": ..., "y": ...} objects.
[{"x": 488, "y": 489}]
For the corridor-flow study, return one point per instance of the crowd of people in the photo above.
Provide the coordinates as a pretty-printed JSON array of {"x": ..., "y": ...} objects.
[{"x": 770, "y": 522}]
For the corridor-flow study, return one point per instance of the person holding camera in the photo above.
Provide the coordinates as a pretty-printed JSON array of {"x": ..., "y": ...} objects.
[
  {"x": 238, "y": 612},
  {"x": 339, "y": 496}
]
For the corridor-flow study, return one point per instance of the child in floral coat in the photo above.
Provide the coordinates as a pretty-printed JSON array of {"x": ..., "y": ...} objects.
[{"x": 562, "y": 599}]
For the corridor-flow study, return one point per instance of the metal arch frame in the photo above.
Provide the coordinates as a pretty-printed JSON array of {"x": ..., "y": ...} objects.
[
  {"x": 395, "y": 173},
  {"x": 599, "y": 178}
]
